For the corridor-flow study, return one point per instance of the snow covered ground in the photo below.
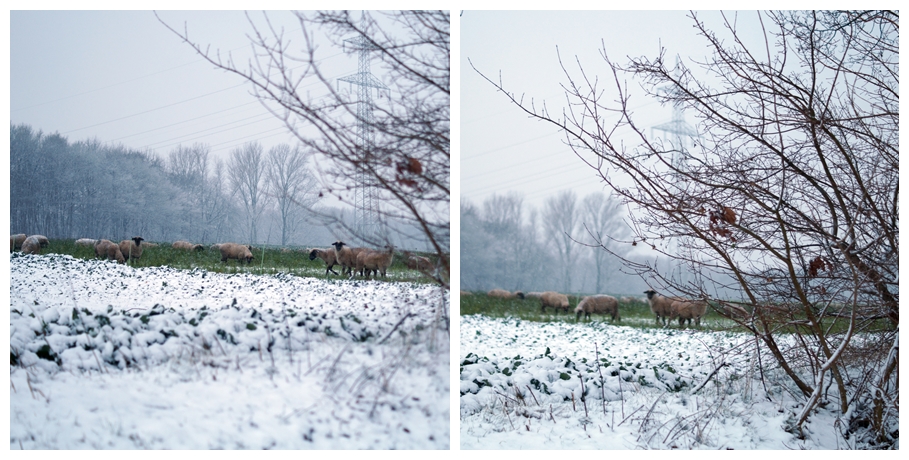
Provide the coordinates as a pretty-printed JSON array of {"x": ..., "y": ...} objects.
[
  {"x": 645, "y": 389},
  {"x": 106, "y": 356}
]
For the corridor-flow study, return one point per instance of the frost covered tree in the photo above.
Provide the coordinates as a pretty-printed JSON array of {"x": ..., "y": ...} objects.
[
  {"x": 246, "y": 175},
  {"x": 292, "y": 185},
  {"x": 791, "y": 193}
]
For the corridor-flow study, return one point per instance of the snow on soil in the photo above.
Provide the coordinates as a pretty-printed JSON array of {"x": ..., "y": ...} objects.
[
  {"x": 520, "y": 389},
  {"x": 111, "y": 357}
]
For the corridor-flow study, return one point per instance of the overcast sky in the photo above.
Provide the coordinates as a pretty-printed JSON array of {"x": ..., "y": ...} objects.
[
  {"x": 501, "y": 148},
  {"x": 124, "y": 78}
]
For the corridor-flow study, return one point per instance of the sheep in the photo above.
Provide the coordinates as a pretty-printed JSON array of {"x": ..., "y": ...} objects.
[
  {"x": 132, "y": 248},
  {"x": 215, "y": 247},
  {"x": 86, "y": 242},
  {"x": 31, "y": 245},
  {"x": 235, "y": 251},
  {"x": 602, "y": 304},
  {"x": 42, "y": 240},
  {"x": 347, "y": 256},
  {"x": 109, "y": 250},
  {"x": 503, "y": 294},
  {"x": 688, "y": 309},
  {"x": 15, "y": 241},
  {"x": 186, "y": 245},
  {"x": 146, "y": 244},
  {"x": 329, "y": 256},
  {"x": 660, "y": 305},
  {"x": 418, "y": 263},
  {"x": 734, "y": 311},
  {"x": 376, "y": 261},
  {"x": 554, "y": 300},
  {"x": 465, "y": 293}
]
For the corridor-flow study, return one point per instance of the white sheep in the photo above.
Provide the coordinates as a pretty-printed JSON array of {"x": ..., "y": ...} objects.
[
  {"x": 375, "y": 261},
  {"x": 534, "y": 294},
  {"x": 15, "y": 241},
  {"x": 86, "y": 242},
  {"x": 187, "y": 246},
  {"x": 132, "y": 248},
  {"x": 329, "y": 256},
  {"x": 146, "y": 244},
  {"x": 688, "y": 310},
  {"x": 503, "y": 294},
  {"x": 660, "y": 305},
  {"x": 109, "y": 250},
  {"x": 235, "y": 251},
  {"x": 555, "y": 300},
  {"x": 601, "y": 304},
  {"x": 31, "y": 245}
]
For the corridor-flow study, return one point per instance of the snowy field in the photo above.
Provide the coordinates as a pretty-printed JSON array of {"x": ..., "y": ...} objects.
[
  {"x": 105, "y": 356},
  {"x": 645, "y": 389}
]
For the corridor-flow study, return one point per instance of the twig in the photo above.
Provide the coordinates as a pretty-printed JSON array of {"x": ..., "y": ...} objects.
[
  {"x": 533, "y": 395},
  {"x": 724, "y": 364},
  {"x": 602, "y": 380},
  {"x": 408, "y": 315}
]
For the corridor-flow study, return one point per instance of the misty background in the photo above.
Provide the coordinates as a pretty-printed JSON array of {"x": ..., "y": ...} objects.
[
  {"x": 522, "y": 188},
  {"x": 118, "y": 128}
]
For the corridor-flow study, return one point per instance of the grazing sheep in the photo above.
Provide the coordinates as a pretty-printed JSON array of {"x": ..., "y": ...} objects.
[
  {"x": 734, "y": 311},
  {"x": 329, "y": 256},
  {"x": 146, "y": 244},
  {"x": 132, "y": 248},
  {"x": 602, "y": 304},
  {"x": 31, "y": 245},
  {"x": 235, "y": 251},
  {"x": 688, "y": 310},
  {"x": 109, "y": 250},
  {"x": 187, "y": 246},
  {"x": 534, "y": 294},
  {"x": 503, "y": 294},
  {"x": 375, "y": 261},
  {"x": 418, "y": 263},
  {"x": 215, "y": 247},
  {"x": 86, "y": 242},
  {"x": 465, "y": 293},
  {"x": 42, "y": 240},
  {"x": 554, "y": 300},
  {"x": 15, "y": 241},
  {"x": 660, "y": 305},
  {"x": 347, "y": 256}
]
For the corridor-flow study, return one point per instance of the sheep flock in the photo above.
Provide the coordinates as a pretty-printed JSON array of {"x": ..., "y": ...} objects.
[{"x": 363, "y": 262}]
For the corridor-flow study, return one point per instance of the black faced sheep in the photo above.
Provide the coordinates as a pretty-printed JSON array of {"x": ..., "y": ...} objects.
[
  {"x": 31, "y": 245},
  {"x": 660, "y": 305},
  {"x": 601, "y": 304},
  {"x": 132, "y": 248},
  {"x": 187, "y": 246},
  {"x": 554, "y": 300},
  {"x": 347, "y": 256},
  {"x": 375, "y": 261},
  {"x": 109, "y": 250},
  {"x": 15, "y": 241},
  {"x": 688, "y": 310},
  {"x": 235, "y": 251},
  {"x": 503, "y": 294},
  {"x": 329, "y": 256}
]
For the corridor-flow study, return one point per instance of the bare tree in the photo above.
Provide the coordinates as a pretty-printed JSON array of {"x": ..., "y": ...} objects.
[
  {"x": 246, "y": 174},
  {"x": 602, "y": 218},
  {"x": 291, "y": 183},
  {"x": 791, "y": 193},
  {"x": 408, "y": 161},
  {"x": 560, "y": 223}
]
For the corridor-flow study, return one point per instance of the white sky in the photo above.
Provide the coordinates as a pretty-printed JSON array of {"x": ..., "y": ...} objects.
[
  {"x": 122, "y": 77},
  {"x": 501, "y": 148}
]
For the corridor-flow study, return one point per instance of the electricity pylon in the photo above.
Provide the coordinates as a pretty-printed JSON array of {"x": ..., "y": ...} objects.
[
  {"x": 366, "y": 210},
  {"x": 680, "y": 131}
]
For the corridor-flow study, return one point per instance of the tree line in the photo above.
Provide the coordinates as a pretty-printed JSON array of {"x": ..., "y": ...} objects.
[
  {"x": 509, "y": 245},
  {"x": 86, "y": 188}
]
